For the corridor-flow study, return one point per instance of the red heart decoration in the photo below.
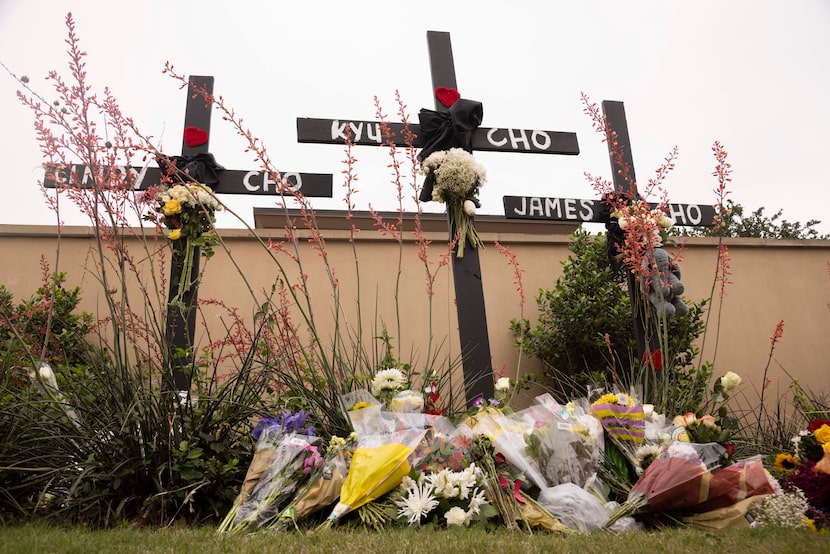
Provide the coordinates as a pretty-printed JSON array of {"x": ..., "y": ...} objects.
[
  {"x": 447, "y": 96},
  {"x": 193, "y": 136}
]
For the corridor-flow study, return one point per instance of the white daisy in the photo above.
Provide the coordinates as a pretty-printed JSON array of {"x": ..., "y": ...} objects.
[{"x": 388, "y": 380}]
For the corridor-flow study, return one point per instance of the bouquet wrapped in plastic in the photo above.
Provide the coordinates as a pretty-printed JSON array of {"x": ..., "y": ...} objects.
[
  {"x": 322, "y": 487},
  {"x": 507, "y": 434},
  {"x": 285, "y": 454},
  {"x": 378, "y": 465},
  {"x": 623, "y": 421},
  {"x": 566, "y": 442},
  {"x": 687, "y": 477},
  {"x": 443, "y": 448}
]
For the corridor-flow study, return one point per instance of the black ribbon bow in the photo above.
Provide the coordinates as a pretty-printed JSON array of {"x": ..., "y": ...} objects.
[
  {"x": 201, "y": 167},
  {"x": 445, "y": 130}
]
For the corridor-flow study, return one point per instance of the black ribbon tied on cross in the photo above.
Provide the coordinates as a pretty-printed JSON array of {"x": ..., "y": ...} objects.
[
  {"x": 201, "y": 168},
  {"x": 445, "y": 130}
]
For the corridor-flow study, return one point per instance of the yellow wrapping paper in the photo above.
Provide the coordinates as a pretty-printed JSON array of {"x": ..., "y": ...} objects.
[{"x": 374, "y": 471}]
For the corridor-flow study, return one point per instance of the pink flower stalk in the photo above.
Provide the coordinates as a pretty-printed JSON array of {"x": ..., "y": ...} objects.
[
  {"x": 776, "y": 335},
  {"x": 513, "y": 261},
  {"x": 723, "y": 270}
]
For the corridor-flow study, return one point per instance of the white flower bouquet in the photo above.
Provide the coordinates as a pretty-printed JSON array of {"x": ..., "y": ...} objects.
[{"x": 457, "y": 178}]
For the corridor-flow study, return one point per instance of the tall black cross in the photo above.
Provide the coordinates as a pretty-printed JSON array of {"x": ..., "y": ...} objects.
[
  {"x": 181, "y": 319},
  {"x": 181, "y": 316},
  {"x": 472, "y": 319},
  {"x": 181, "y": 313},
  {"x": 625, "y": 185}
]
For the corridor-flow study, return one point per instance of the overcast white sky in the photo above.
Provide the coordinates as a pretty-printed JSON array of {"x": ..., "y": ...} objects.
[{"x": 752, "y": 74}]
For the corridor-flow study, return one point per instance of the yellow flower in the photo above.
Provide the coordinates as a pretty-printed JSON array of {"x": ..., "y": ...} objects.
[
  {"x": 822, "y": 434},
  {"x": 172, "y": 207},
  {"x": 785, "y": 462},
  {"x": 175, "y": 234},
  {"x": 611, "y": 398},
  {"x": 361, "y": 405}
]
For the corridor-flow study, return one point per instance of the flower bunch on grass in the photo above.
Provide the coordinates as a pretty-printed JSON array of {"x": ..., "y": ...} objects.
[
  {"x": 323, "y": 485},
  {"x": 786, "y": 509},
  {"x": 445, "y": 497},
  {"x": 285, "y": 456},
  {"x": 457, "y": 178}
]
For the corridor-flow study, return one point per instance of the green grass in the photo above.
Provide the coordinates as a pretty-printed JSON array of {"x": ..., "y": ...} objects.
[{"x": 40, "y": 539}]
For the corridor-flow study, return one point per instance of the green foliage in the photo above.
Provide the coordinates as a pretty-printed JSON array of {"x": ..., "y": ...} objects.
[
  {"x": 109, "y": 443},
  {"x": 590, "y": 301},
  {"x": 755, "y": 224},
  {"x": 587, "y": 302},
  {"x": 23, "y": 326}
]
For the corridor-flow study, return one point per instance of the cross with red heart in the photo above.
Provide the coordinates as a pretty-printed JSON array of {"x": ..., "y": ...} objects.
[
  {"x": 447, "y": 96},
  {"x": 193, "y": 136}
]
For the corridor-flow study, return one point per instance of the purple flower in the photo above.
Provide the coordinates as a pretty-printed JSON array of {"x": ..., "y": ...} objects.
[
  {"x": 285, "y": 422},
  {"x": 478, "y": 402},
  {"x": 815, "y": 486}
]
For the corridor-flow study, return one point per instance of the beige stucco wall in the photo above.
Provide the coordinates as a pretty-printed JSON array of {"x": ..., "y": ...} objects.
[{"x": 772, "y": 281}]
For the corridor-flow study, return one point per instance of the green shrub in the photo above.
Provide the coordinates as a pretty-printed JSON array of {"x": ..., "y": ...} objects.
[
  {"x": 106, "y": 442},
  {"x": 588, "y": 302}
]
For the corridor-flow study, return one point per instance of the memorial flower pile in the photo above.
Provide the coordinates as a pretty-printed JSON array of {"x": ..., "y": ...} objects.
[{"x": 538, "y": 468}]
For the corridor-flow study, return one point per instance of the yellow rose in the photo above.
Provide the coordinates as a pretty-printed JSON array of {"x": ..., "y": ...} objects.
[
  {"x": 822, "y": 434},
  {"x": 175, "y": 234},
  {"x": 172, "y": 207}
]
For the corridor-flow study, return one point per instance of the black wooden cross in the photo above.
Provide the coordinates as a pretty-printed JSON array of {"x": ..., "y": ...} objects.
[
  {"x": 624, "y": 179},
  {"x": 472, "y": 320},
  {"x": 181, "y": 314},
  {"x": 575, "y": 209}
]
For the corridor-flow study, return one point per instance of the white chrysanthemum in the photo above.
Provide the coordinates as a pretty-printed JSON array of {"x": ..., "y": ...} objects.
[
  {"x": 466, "y": 482},
  {"x": 409, "y": 483},
  {"x": 388, "y": 380},
  {"x": 502, "y": 384},
  {"x": 444, "y": 483},
  {"x": 456, "y": 516},
  {"x": 477, "y": 500},
  {"x": 418, "y": 502}
]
